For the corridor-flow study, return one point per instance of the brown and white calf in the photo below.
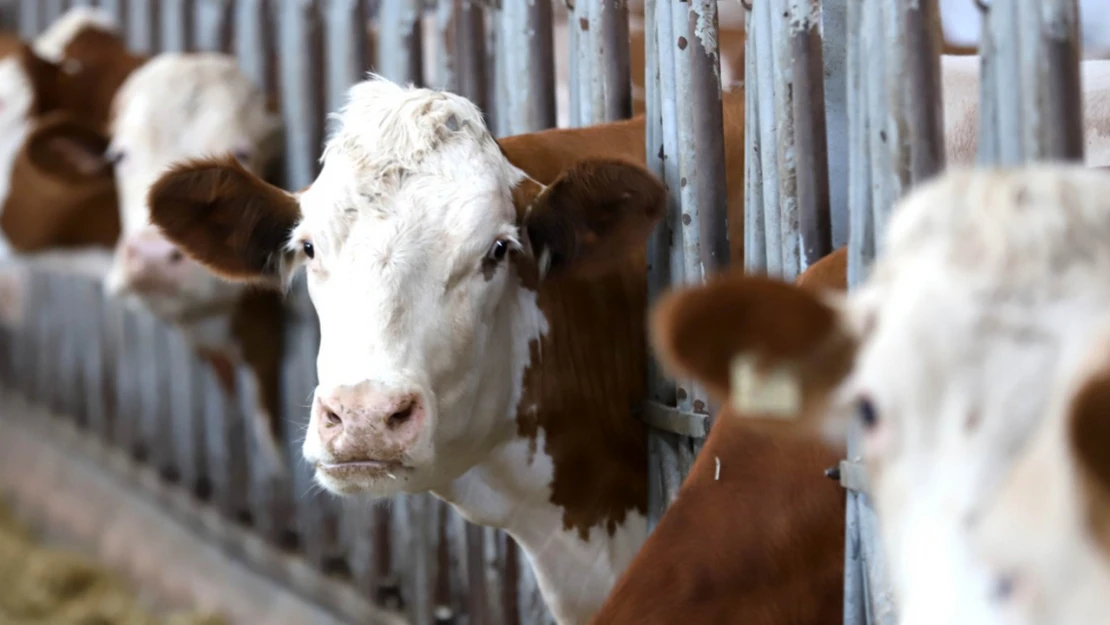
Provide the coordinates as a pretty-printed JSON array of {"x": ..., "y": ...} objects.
[
  {"x": 756, "y": 533},
  {"x": 48, "y": 196},
  {"x": 175, "y": 107},
  {"x": 974, "y": 358},
  {"x": 482, "y": 310}
]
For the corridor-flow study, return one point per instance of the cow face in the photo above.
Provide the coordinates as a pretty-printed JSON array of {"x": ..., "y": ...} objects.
[
  {"x": 974, "y": 362},
  {"x": 423, "y": 269},
  {"x": 177, "y": 107}
]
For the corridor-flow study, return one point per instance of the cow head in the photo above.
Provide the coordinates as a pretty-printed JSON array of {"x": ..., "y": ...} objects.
[
  {"x": 173, "y": 108},
  {"x": 424, "y": 249},
  {"x": 974, "y": 361}
]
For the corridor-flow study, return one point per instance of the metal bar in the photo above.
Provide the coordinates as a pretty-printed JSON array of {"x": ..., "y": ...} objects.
[
  {"x": 528, "y": 69},
  {"x": 810, "y": 147},
  {"x": 143, "y": 26},
  {"x": 469, "y": 51},
  {"x": 400, "y": 55},
  {"x": 1003, "y": 21},
  {"x": 765, "y": 63},
  {"x": 612, "y": 71},
  {"x": 926, "y": 105},
  {"x": 177, "y": 25},
  {"x": 301, "y": 90},
  {"x": 212, "y": 21},
  {"x": 347, "y": 48},
  {"x": 29, "y": 19},
  {"x": 254, "y": 42},
  {"x": 785, "y": 152},
  {"x": 755, "y": 232},
  {"x": 1060, "y": 83},
  {"x": 708, "y": 134}
]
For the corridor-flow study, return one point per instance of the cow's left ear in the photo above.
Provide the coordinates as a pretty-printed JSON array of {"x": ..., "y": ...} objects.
[
  {"x": 594, "y": 214},
  {"x": 68, "y": 150},
  {"x": 1089, "y": 443}
]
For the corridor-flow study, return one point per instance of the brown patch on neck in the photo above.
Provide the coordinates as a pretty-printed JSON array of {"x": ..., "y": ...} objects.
[
  {"x": 258, "y": 328},
  {"x": 586, "y": 378}
]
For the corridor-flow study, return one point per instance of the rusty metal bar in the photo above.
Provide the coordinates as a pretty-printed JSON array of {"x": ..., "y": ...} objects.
[
  {"x": 1062, "y": 94},
  {"x": 810, "y": 147},
  {"x": 302, "y": 89},
  {"x": 469, "y": 52},
  {"x": 610, "y": 79},
  {"x": 926, "y": 106},
  {"x": 762, "y": 48}
]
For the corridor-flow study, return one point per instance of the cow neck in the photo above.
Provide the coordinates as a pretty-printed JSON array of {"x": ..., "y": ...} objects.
[{"x": 570, "y": 483}]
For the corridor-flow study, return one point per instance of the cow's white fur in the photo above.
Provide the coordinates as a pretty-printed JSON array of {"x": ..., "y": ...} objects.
[
  {"x": 16, "y": 98},
  {"x": 986, "y": 310},
  {"x": 413, "y": 193},
  {"x": 176, "y": 107},
  {"x": 51, "y": 43}
]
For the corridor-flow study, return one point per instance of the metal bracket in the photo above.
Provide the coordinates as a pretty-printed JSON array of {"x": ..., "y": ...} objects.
[
  {"x": 671, "y": 419},
  {"x": 853, "y": 476}
]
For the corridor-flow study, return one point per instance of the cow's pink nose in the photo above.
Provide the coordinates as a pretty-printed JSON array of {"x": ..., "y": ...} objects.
[{"x": 367, "y": 417}]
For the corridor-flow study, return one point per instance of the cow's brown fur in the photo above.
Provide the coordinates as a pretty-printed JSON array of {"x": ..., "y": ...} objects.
[
  {"x": 755, "y": 526},
  {"x": 831, "y": 272},
  {"x": 1089, "y": 436}
]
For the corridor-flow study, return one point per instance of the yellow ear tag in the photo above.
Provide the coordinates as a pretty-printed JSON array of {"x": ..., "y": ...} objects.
[{"x": 775, "y": 393}]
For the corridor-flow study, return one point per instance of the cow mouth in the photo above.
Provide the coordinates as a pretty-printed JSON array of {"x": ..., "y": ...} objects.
[{"x": 362, "y": 468}]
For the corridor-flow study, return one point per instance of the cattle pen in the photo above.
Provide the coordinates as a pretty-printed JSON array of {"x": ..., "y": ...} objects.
[{"x": 109, "y": 421}]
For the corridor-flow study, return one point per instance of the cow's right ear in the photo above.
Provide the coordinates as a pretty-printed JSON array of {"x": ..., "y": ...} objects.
[
  {"x": 226, "y": 218},
  {"x": 767, "y": 347}
]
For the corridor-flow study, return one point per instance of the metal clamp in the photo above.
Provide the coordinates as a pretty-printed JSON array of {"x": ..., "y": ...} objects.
[
  {"x": 672, "y": 419},
  {"x": 852, "y": 475}
]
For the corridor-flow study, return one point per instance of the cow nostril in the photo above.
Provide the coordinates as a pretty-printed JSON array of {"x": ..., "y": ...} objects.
[
  {"x": 400, "y": 417},
  {"x": 333, "y": 419},
  {"x": 175, "y": 256}
]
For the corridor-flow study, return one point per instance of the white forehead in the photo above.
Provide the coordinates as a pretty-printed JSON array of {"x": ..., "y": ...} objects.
[
  {"x": 51, "y": 44},
  {"x": 189, "y": 104},
  {"x": 16, "y": 91},
  {"x": 411, "y": 158}
]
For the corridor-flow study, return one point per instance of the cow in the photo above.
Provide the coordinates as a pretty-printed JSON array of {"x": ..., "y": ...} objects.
[
  {"x": 756, "y": 533},
  {"x": 174, "y": 107},
  {"x": 973, "y": 359},
  {"x": 46, "y": 200},
  {"x": 481, "y": 308}
]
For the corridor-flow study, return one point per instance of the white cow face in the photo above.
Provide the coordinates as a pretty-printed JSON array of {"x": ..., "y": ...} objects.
[
  {"x": 969, "y": 360},
  {"x": 423, "y": 269},
  {"x": 175, "y": 108}
]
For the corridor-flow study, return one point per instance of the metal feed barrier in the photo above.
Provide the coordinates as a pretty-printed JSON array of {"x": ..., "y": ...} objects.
[{"x": 842, "y": 118}]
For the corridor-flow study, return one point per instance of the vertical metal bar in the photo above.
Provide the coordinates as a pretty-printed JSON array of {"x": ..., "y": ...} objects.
[
  {"x": 470, "y": 51},
  {"x": 1003, "y": 21},
  {"x": 528, "y": 69},
  {"x": 400, "y": 54},
  {"x": 142, "y": 26},
  {"x": 988, "y": 150},
  {"x": 755, "y": 230},
  {"x": 834, "y": 17},
  {"x": 1060, "y": 80},
  {"x": 185, "y": 416},
  {"x": 926, "y": 105},
  {"x": 707, "y": 175},
  {"x": 612, "y": 81},
  {"x": 177, "y": 25},
  {"x": 478, "y": 607},
  {"x": 347, "y": 49},
  {"x": 765, "y": 66},
  {"x": 254, "y": 44},
  {"x": 301, "y": 90},
  {"x": 212, "y": 21},
  {"x": 784, "y": 153},
  {"x": 29, "y": 19},
  {"x": 810, "y": 148},
  {"x": 582, "y": 73}
]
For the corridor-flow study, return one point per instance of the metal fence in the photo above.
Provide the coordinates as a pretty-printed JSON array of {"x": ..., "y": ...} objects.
[{"x": 843, "y": 116}]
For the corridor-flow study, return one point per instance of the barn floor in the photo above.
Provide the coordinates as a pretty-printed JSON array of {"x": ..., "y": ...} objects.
[{"x": 85, "y": 496}]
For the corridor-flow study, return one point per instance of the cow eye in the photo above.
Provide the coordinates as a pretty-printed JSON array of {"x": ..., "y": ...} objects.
[
  {"x": 242, "y": 155},
  {"x": 114, "y": 157},
  {"x": 309, "y": 249},
  {"x": 868, "y": 416},
  {"x": 498, "y": 251}
]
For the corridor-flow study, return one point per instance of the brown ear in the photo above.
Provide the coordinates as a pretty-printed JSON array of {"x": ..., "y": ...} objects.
[
  {"x": 225, "y": 217},
  {"x": 69, "y": 151},
  {"x": 1089, "y": 432},
  {"x": 828, "y": 273},
  {"x": 593, "y": 215},
  {"x": 699, "y": 332}
]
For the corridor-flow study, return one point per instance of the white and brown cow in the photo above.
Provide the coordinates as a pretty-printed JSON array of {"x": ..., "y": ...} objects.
[
  {"x": 975, "y": 360},
  {"x": 48, "y": 198},
  {"x": 175, "y": 107},
  {"x": 482, "y": 315}
]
